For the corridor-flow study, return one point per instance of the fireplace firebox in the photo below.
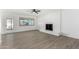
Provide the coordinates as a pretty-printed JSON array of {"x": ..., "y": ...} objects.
[{"x": 49, "y": 27}]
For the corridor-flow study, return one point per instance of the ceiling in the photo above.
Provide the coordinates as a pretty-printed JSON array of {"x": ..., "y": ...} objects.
[{"x": 17, "y": 10}]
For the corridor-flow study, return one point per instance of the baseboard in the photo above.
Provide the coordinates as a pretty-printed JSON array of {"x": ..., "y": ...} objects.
[
  {"x": 49, "y": 33},
  {"x": 70, "y": 35},
  {"x": 18, "y": 31},
  {"x": 73, "y": 36}
]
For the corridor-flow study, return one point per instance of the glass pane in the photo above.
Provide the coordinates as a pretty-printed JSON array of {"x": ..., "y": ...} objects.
[
  {"x": 9, "y": 24},
  {"x": 26, "y": 21}
]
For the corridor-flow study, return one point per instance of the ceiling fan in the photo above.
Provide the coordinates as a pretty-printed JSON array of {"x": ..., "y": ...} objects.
[{"x": 36, "y": 11}]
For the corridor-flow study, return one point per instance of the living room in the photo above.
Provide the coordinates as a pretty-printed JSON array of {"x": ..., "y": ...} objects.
[{"x": 28, "y": 28}]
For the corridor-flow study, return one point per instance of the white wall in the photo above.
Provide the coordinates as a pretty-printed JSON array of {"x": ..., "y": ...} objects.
[
  {"x": 0, "y": 24},
  {"x": 0, "y": 28},
  {"x": 49, "y": 16},
  {"x": 70, "y": 22},
  {"x": 15, "y": 17}
]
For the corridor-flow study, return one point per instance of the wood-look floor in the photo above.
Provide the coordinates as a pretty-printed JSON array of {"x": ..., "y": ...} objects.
[{"x": 37, "y": 40}]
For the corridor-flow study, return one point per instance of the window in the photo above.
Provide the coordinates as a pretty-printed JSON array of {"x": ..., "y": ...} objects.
[
  {"x": 9, "y": 23},
  {"x": 26, "y": 21}
]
